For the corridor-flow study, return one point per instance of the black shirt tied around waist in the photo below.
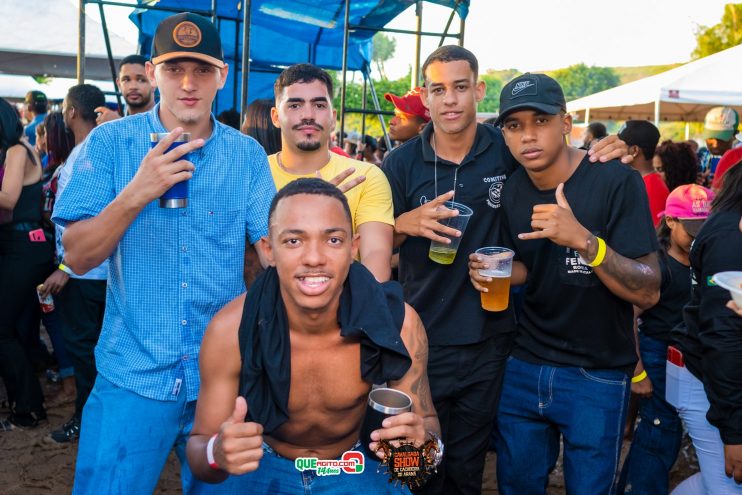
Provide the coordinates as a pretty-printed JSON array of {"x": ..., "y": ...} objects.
[{"x": 369, "y": 311}]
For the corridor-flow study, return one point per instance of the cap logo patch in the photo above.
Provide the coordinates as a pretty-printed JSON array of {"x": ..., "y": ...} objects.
[
  {"x": 187, "y": 34},
  {"x": 700, "y": 206},
  {"x": 524, "y": 88}
]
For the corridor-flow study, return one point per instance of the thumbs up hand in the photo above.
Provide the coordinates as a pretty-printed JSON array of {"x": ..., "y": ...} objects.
[
  {"x": 239, "y": 446},
  {"x": 557, "y": 223}
]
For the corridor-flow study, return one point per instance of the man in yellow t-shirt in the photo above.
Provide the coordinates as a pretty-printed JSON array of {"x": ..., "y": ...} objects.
[{"x": 306, "y": 118}]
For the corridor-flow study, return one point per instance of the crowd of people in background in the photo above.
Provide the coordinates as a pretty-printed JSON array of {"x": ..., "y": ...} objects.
[{"x": 127, "y": 289}]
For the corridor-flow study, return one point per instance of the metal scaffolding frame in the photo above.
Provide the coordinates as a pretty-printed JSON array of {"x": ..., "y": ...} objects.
[
  {"x": 367, "y": 81},
  {"x": 246, "y": 7}
]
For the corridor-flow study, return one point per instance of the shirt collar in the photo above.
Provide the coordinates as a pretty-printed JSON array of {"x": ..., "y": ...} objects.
[{"x": 482, "y": 141}]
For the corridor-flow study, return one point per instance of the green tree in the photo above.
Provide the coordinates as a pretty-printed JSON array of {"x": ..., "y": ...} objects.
[
  {"x": 491, "y": 101},
  {"x": 580, "y": 80},
  {"x": 384, "y": 48},
  {"x": 354, "y": 97},
  {"x": 494, "y": 81},
  {"x": 726, "y": 34}
]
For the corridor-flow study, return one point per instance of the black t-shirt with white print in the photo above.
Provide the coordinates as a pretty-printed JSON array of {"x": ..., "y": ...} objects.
[{"x": 569, "y": 317}]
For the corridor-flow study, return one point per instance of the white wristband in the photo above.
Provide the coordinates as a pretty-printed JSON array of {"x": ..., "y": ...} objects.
[{"x": 210, "y": 452}]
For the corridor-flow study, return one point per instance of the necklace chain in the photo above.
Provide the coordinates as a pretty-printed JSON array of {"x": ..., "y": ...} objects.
[
  {"x": 283, "y": 167},
  {"x": 280, "y": 163},
  {"x": 435, "y": 173}
]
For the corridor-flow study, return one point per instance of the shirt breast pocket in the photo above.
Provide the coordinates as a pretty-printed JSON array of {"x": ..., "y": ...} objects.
[{"x": 220, "y": 228}]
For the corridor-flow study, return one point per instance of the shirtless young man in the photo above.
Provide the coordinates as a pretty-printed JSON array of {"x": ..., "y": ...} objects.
[{"x": 299, "y": 353}]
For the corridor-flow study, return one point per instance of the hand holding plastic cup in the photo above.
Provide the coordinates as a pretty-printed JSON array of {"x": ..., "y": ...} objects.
[
  {"x": 177, "y": 195},
  {"x": 382, "y": 403},
  {"x": 445, "y": 253},
  {"x": 500, "y": 261}
]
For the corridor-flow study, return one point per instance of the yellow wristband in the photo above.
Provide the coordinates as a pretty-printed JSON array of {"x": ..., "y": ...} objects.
[
  {"x": 601, "y": 253},
  {"x": 641, "y": 376},
  {"x": 65, "y": 268}
]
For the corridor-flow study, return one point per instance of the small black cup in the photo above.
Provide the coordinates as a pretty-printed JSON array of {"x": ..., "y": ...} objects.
[{"x": 382, "y": 403}]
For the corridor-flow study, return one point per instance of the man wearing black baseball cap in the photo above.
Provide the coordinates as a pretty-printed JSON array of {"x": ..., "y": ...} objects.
[
  {"x": 36, "y": 108},
  {"x": 172, "y": 269},
  {"x": 456, "y": 158},
  {"x": 642, "y": 137},
  {"x": 583, "y": 238}
]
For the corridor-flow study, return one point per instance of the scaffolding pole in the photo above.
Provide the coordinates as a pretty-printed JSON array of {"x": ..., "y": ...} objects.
[
  {"x": 380, "y": 114},
  {"x": 363, "y": 105},
  {"x": 109, "y": 53},
  {"x": 418, "y": 40},
  {"x": 81, "y": 42},
  {"x": 448, "y": 25},
  {"x": 247, "y": 6},
  {"x": 346, "y": 35}
]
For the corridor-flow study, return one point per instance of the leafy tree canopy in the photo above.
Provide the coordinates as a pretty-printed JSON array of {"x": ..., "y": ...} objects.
[
  {"x": 725, "y": 34},
  {"x": 580, "y": 80}
]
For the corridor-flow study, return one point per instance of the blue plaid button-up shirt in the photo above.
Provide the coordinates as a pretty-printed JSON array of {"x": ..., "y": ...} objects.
[{"x": 174, "y": 268}]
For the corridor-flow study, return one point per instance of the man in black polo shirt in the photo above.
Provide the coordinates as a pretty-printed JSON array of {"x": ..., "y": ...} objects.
[
  {"x": 585, "y": 243},
  {"x": 468, "y": 346}
]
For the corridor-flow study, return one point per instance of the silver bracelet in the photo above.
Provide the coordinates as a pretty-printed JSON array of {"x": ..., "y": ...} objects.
[{"x": 439, "y": 443}]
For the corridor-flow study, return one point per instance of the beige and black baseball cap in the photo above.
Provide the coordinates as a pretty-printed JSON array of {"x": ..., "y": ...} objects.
[
  {"x": 187, "y": 35},
  {"x": 721, "y": 123}
]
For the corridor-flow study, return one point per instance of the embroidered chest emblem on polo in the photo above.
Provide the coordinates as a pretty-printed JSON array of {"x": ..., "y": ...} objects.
[
  {"x": 494, "y": 193},
  {"x": 187, "y": 34}
]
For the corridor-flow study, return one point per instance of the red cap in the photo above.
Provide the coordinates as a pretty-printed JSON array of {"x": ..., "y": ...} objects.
[
  {"x": 691, "y": 205},
  {"x": 410, "y": 103}
]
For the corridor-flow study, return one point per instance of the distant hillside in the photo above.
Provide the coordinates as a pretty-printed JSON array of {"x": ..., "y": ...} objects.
[
  {"x": 496, "y": 79},
  {"x": 628, "y": 74}
]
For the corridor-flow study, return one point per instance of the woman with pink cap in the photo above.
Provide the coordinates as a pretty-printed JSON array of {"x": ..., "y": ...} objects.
[
  {"x": 704, "y": 378},
  {"x": 657, "y": 438}
]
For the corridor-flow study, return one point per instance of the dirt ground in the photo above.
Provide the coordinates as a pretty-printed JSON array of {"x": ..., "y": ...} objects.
[{"x": 31, "y": 464}]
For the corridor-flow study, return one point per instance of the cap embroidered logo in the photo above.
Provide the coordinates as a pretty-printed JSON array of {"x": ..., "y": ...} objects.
[
  {"x": 522, "y": 86},
  {"x": 187, "y": 34}
]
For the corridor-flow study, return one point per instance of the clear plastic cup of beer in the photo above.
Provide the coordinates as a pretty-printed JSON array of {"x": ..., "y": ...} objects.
[
  {"x": 500, "y": 262},
  {"x": 444, "y": 254}
]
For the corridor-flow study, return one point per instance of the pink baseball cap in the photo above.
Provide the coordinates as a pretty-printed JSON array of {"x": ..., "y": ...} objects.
[
  {"x": 410, "y": 103},
  {"x": 691, "y": 205}
]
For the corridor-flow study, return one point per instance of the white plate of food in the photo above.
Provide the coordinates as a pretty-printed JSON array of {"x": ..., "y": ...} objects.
[{"x": 731, "y": 281}]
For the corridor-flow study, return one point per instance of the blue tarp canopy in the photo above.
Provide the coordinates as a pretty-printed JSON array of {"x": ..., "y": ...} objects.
[{"x": 284, "y": 32}]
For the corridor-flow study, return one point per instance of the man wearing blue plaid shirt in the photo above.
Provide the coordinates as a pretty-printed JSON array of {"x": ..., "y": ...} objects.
[{"x": 171, "y": 270}]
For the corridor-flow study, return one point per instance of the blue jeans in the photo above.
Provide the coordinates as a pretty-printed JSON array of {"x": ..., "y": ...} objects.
[
  {"x": 540, "y": 403},
  {"x": 125, "y": 440},
  {"x": 656, "y": 443},
  {"x": 54, "y": 325},
  {"x": 278, "y": 476}
]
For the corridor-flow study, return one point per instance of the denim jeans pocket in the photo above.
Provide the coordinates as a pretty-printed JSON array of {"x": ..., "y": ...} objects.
[{"x": 608, "y": 377}]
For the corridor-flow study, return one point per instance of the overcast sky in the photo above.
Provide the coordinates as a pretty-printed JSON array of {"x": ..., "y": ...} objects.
[{"x": 547, "y": 34}]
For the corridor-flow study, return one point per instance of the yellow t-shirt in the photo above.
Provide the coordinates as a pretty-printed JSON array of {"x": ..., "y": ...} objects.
[{"x": 369, "y": 201}]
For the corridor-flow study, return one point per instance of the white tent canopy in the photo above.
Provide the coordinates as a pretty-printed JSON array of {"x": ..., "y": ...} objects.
[
  {"x": 15, "y": 87},
  {"x": 39, "y": 37},
  {"x": 683, "y": 94}
]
